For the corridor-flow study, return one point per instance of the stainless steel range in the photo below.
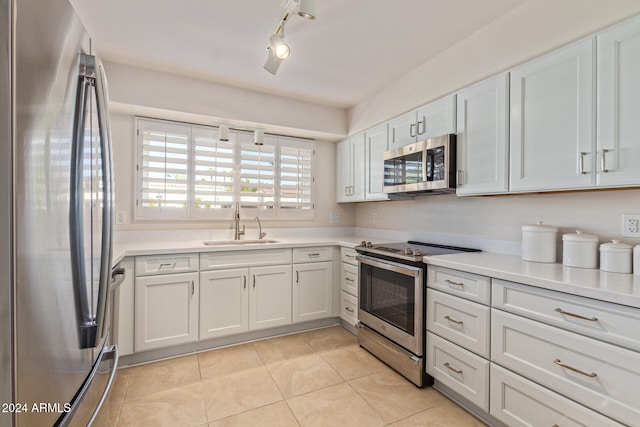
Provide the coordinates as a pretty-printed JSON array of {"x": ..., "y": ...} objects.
[{"x": 391, "y": 309}]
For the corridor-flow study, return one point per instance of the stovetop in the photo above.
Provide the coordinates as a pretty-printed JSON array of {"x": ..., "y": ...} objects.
[{"x": 409, "y": 251}]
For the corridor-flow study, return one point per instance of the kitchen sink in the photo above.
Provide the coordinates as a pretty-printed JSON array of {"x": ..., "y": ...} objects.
[{"x": 238, "y": 242}]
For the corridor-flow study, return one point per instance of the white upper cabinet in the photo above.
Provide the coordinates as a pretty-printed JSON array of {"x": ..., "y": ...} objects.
[
  {"x": 483, "y": 137},
  {"x": 552, "y": 121},
  {"x": 376, "y": 143},
  {"x": 618, "y": 127},
  {"x": 434, "y": 119},
  {"x": 350, "y": 163}
]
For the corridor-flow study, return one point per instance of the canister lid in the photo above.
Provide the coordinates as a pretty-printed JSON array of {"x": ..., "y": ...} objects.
[
  {"x": 538, "y": 227},
  {"x": 580, "y": 237},
  {"x": 615, "y": 246}
]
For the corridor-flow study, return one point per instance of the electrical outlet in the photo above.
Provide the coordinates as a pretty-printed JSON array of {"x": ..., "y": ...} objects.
[
  {"x": 375, "y": 217},
  {"x": 121, "y": 217},
  {"x": 631, "y": 225},
  {"x": 334, "y": 217}
]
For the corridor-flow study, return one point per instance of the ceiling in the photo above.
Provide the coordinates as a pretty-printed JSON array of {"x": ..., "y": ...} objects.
[{"x": 352, "y": 48}]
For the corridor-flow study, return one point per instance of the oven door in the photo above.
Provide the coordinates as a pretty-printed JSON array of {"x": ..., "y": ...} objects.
[{"x": 391, "y": 301}]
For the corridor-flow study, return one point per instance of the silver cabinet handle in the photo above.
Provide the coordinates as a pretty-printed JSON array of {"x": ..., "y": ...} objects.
[
  {"x": 603, "y": 163},
  {"x": 167, "y": 264},
  {"x": 349, "y": 256},
  {"x": 581, "y": 163},
  {"x": 313, "y": 255},
  {"x": 297, "y": 276},
  {"x": 254, "y": 281},
  {"x": 459, "y": 322},
  {"x": 349, "y": 309},
  {"x": 348, "y": 279},
  {"x": 454, "y": 283},
  {"x": 449, "y": 367},
  {"x": 424, "y": 125},
  {"x": 193, "y": 288},
  {"x": 567, "y": 313},
  {"x": 244, "y": 278},
  {"x": 571, "y": 368},
  {"x": 412, "y": 129}
]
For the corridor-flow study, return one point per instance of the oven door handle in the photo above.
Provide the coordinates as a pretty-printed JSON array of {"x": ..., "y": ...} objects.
[{"x": 391, "y": 266}]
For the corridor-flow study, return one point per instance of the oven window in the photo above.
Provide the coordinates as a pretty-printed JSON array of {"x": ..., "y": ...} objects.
[
  {"x": 389, "y": 296},
  {"x": 403, "y": 170},
  {"x": 435, "y": 164}
]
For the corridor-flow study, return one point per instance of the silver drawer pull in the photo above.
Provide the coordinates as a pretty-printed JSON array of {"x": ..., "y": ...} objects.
[
  {"x": 451, "y": 282},
  {"x": 167, "y": 264},
  {"x": 571, "y": 368},
  {"x": 349, "y": 279},
  {"x": 449, "y": 367},
  {"x": 349, "y": 256},
  {"x": 349, "y": 309},
  {"x": 590, "y": 319},
  {"x": 459, "y": 322},
  {"x": 315, "y": 254}
]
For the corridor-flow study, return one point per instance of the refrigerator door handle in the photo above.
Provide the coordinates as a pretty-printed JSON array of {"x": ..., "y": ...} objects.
[
  {"x": 114, "y": 350},
  {"x": 86, "y": 322},
  {"x": 107, "y": 199}
]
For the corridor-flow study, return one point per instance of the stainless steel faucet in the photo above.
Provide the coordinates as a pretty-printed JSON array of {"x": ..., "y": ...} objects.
[
  {"x": 260, "y": 233},
  {"x": 237, "y": 223}
]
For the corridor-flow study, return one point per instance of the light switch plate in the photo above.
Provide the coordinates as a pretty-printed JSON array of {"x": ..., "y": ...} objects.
[
  {"x": 121, "y": 217},
  {"x": 630, "y": 225}
]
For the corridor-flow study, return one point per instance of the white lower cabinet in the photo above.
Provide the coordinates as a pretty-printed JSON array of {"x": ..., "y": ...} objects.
[
  {"x": 348, "y": 286},
  {"x": 166, "y": 310},
  {"x": 459, "y": 369},
  {"x": 348, "y": 308},
  {"x": 224, "y": 302},
  {"x": 601, "y": 376},
  {"x": 270, "y": 297},
  {"x": 519, "y": 402},
  {"x": 312, "y": 291}
]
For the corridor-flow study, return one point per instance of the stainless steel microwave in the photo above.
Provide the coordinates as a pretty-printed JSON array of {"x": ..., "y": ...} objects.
[{"x": 427, "y": 166}]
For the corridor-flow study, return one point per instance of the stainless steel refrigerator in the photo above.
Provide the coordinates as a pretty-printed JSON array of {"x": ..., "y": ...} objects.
[{"x": 56, "y": 360}]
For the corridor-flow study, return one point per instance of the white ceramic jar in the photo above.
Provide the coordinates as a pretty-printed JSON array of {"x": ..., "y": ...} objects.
[
  {"x": 580, "y": 250},
  {"x": 615, "y": 257},
  {"x": 539, "y": 242}
]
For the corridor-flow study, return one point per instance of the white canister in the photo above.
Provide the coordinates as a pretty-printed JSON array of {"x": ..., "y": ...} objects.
[
  {"x": 539, "y": 242},
  {"x": 615, "y": 257},
  {"x": 636, "y": 260},
  {"x": 580, "y": 250}
]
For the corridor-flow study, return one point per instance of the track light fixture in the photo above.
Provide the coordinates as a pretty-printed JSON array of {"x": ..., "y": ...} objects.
[
  {"x": 278, "y": 49},
  {"x": 223, "y": 133},
  {"x": 258, "y": 137}
]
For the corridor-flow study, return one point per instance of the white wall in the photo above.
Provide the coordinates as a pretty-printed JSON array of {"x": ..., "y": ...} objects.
[
  {"x": 537, "y": 27},
  {"x": 123, "y": 131}
]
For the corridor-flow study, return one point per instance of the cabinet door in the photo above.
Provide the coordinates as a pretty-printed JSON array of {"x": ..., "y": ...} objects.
[
  {"x": 483, "y": 137},
  {"x": 552, "y": 111},
  {"x": 166, "y": 310},
  {"x": 224, "y": 302},
  {"x": 403, "y": 130},
  {"x": 376, "y": 143},
  {"x": 436, "y": 118},
  {"x": 270, "y": 297},
  {"x": 344, "y": 172},
  {"x": 358, "y": 161},
  {"x": 312, "y": 291},
  {"x": 619, "y": 105}
]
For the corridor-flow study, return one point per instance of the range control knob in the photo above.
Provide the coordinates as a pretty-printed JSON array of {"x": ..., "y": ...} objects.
[
  {"x": 368, "y": 244},
  {"x": 416, "y": 252},
  {"x": 363, "y": 243},
  {"x": 408, "y": 251}
]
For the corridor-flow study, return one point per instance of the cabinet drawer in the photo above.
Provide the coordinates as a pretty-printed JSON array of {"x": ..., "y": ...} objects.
[
  {"x": 349, "y": 278},
  {"x": 464, "y": 322},
  {"x": 348, "y": 308},
  {"x": 166, "y": 264},
  {"x": 459, "y": 369},
  {"x": 606, "y": 321},
  {"x": 348, "y": 255},
  {"x": 602, "y": 376},
  {"x": 315, "y": 254},
  {"x": 253, "y": 258},
  {"x": 465, "y": 285},
  {"x": 519, "y": 402}
]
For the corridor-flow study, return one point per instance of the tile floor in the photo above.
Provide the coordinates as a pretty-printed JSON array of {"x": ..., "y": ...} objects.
[{"x": 315, "y": 378}]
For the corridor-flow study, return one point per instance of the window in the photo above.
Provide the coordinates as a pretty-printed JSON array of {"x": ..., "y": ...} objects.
[{"x": 184, "y": 172}]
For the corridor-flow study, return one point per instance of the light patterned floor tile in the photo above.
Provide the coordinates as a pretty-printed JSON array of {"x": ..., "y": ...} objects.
[
  {"x": 303, "y": 374},
  {"x": 238, "y": 392},
  {"x": 282, "y": 348},
  {"x": 444, "y": 415},
  {"x": 338, "y": 405},
  {"x": 223, "y": 361},
  {"x": 176, "y": 407},
  {"x": 328, "y": 339},
  {"x": 353, "y": 362},
  {"x": 274, "y": 415},
  {"x": 163, "y": 375},
  {"x": 393, "y": 397}
]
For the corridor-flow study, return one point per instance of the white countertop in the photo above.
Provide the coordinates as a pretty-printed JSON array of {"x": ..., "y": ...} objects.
[{"x": 591, "y": 283}]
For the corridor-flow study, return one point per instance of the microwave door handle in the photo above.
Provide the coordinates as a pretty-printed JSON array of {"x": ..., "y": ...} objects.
[
  {"x": 84, "y": 318},
  {"x": 107, "y": 200}
]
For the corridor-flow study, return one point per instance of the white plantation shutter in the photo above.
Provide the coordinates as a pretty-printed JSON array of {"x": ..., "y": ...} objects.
[
  {"x": 257, "y": 173},
  {"x": 185, "y": 172},
  {"x": 296, "y": 177},
  {"x": 163, "y": 166},
  {"x": 214, "y": 173}
]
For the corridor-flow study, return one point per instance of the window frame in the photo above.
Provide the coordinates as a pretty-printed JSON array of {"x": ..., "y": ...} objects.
[{"x": 237, "y": 138}]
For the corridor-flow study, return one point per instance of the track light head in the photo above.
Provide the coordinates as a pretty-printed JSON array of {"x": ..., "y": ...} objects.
[
  {"x": 279, "y": 46},
  {"x": 258, "y": 136},
  {"x": 307, "y": 9},
  {"x": 223, "y": 133}
]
